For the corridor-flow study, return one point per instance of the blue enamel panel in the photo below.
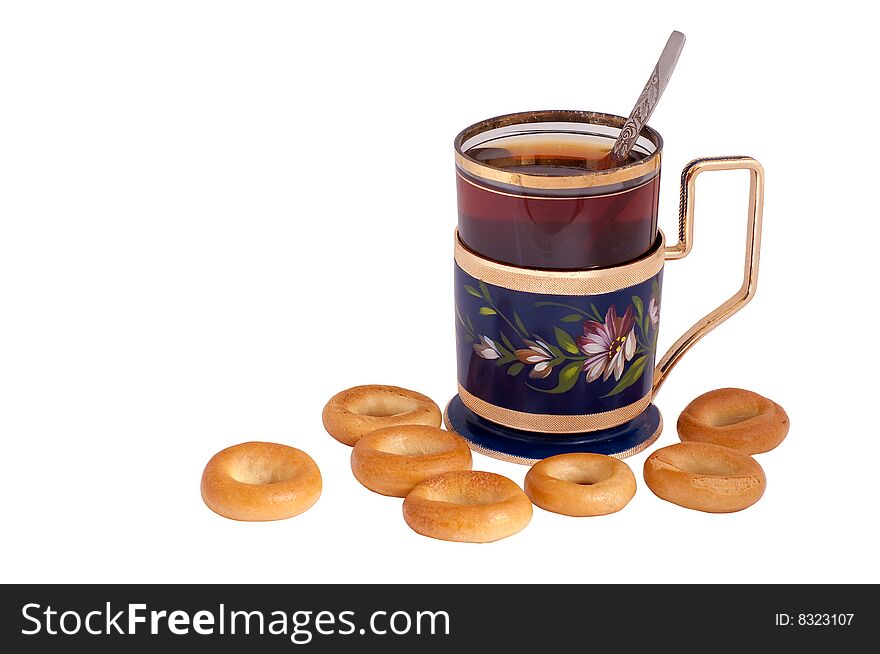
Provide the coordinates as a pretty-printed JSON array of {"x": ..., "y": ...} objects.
[{"x": 556, "y": 354}]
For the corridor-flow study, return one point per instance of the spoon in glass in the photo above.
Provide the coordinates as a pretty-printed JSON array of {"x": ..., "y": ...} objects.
[{"x": 645, "y": 104}]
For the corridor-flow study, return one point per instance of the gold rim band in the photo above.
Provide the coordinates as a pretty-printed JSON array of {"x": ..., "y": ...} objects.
[
  {"x": 501, "y": 456},
  {"x": 591, "y": 179},
  {"x": 647, "y": 168},
  {"x": 554, "y": 282},
  {"x": 551, "y": 198},
  {"x": 552, "y": 423}
]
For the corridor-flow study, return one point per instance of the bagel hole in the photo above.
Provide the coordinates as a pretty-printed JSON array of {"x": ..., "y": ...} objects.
[
  {"x": 262, "y": 471},
  {"x": 707, "y": 467},
  {"x": 463, "y": 497},
  {"x": 408, "y": 446},
  {"x": 582, "y": 475},
  {"x": 579, "y": 477},
  {"x": 384, "y": 406},
  {"x": 735, "y": 416}
]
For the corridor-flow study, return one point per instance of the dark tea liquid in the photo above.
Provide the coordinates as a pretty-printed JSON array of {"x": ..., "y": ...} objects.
[{"x": 555, "y": 229}]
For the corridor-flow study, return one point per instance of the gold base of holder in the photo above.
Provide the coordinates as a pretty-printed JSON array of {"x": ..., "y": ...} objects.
[{"x": 501, "y": 456}]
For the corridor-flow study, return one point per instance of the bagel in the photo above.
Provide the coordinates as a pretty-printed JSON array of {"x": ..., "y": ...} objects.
[
  {"x": 355, "y": 412},
  {"x": 260, "y": 481},
  {"x": 705, "y": 477},
  {"x": 580, "y": 484},
  {"x": 734, "y": 418},
  {"x": 467, "y": 506},
  {"x": 392, "y": 460}
]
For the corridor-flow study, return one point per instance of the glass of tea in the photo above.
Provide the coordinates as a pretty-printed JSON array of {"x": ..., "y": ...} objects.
[
  {"x": 558, "y": 284},
  {"x": 535, "y": 189}
]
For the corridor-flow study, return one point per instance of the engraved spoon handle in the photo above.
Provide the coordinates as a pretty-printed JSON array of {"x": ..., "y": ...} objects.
[{"x": 648, "y": 99}]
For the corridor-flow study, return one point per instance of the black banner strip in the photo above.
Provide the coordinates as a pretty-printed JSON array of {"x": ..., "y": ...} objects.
[{"x": 333, "y": 618}]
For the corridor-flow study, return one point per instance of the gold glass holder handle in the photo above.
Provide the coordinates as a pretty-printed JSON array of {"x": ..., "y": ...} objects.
[{"x": 686, "y": 240}]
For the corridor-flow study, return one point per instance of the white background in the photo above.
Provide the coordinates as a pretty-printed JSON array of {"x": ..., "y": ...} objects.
[{"x": 215, "y": 215}]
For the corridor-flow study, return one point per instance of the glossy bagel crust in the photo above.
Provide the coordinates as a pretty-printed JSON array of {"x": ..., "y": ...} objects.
[
  {"x": 705, "y": 477},
  {"x": 393, "y": 460},
  {"x": 355, "y": 412},
  {"x": 260, "y": 481},
  {"x": 467, "y": 506},
  {"x": 735, "y": 418},
  {"x": 580, "y": 484}
]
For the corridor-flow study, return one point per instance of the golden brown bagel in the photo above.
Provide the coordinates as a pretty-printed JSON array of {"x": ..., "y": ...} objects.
[
  {"x": 357, "y": 411},
  {"x": 734, "y": 418},
  {"x": 705, "y": 477},
  {"x": 260, "y": 481},
  {"x": 392, "y": 460},
  {"x": 467, "y": 506},
  {"x": 580, "y": 484}
]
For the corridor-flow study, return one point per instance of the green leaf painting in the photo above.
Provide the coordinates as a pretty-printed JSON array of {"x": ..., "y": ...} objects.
[
  {"x": 640, "y": 308},
  {"x": 630, "y": 377},
  {"x": 485, "y": 290},
  {"x": 519, "y": 323},
  {"x": 568, "y": 377},
  {"x": 565, "y": 341},
  {"x": 473, "y": 291}
]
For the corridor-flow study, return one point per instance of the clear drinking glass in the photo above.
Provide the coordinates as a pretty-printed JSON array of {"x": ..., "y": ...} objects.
[{"x": 530, "y": 193}]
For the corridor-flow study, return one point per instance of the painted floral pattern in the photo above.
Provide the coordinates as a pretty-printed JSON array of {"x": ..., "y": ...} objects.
[
  {"x": 654, "y": 312},
  {"x": 537, "y": 353},
  {"x": 608, "y": 345},
  {"x": 612, "y": 345},
  {"x": 487, "y": 349}
]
